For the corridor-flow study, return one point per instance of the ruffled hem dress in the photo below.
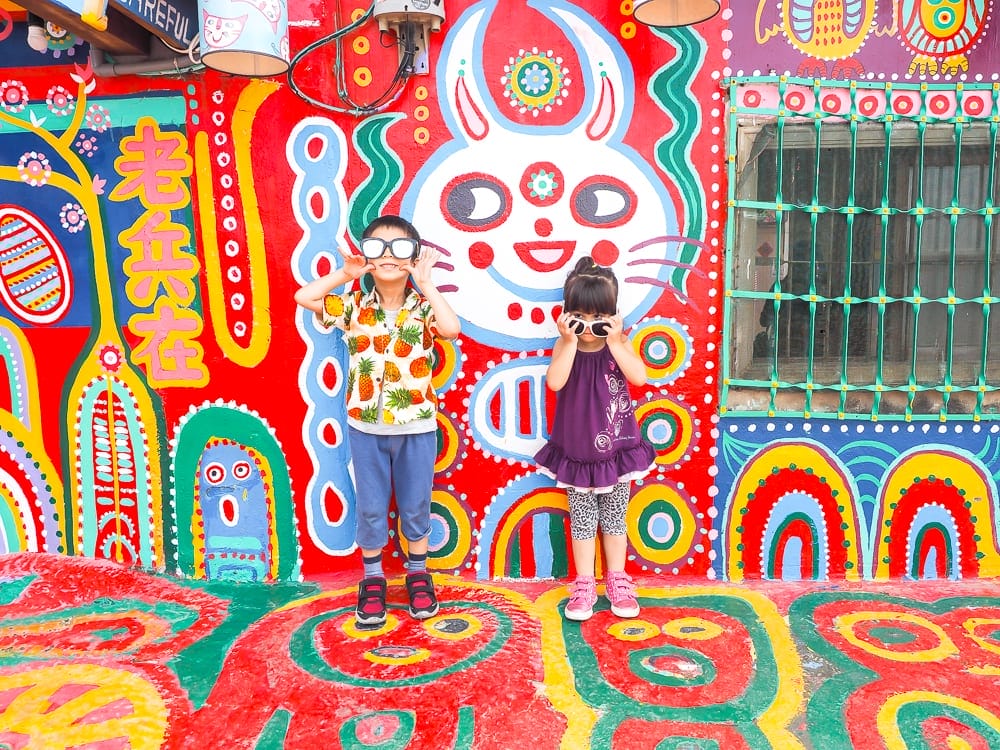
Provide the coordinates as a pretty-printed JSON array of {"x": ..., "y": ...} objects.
[{"x": 595, "y": 441}]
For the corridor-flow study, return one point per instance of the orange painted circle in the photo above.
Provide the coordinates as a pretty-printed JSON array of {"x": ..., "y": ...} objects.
[{"x": 363, "y": 76}]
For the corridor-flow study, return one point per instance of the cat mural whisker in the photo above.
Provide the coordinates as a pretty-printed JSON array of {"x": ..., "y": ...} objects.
[
  {"x": 440, "y": 249},
  {"x": 653, "y": 281},
  {"x": 679, "y": 239},
  {"x": 672, "y": 263}
]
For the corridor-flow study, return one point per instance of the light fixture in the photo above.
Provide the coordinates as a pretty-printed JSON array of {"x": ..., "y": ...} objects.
[
  {"x": 674, "y": 12},
  {"x": 252, "y": 43}
]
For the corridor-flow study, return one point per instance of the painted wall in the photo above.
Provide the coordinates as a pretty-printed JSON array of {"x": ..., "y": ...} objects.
[{"x": 166, "y": 405}]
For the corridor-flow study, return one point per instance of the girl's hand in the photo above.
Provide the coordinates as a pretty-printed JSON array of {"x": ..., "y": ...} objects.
[
  {"x": 565, "y": 332},
  {"x": 616, "y": 328},
  {"x": 355, "y": 266},
  {"x": 421, "y": 269}
]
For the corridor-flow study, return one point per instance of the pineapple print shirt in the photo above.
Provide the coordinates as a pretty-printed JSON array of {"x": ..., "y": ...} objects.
[{"x": 389, "y": 378}]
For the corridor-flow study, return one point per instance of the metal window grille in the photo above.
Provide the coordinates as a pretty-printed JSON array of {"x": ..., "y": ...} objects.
[{"x": 862, "y": 256}]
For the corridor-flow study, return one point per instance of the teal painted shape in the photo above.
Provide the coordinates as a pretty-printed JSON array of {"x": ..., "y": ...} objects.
[
  {"x": 671, "y": 89},
  {"x": 10, "y": 524},
  {"x": 913, "y": 715},
  {"x": 166, "y": 110},
  {"x": 697, "y": 669},
  {"x": 273, "y": 735},
  {"x": 177, "y": 616},
  {"x": 466, "y": 728},
  {"x": 374, "y": 724},
  {"x": 198, "y": 666},
  {"x": 385, "y": 172},
  {"x": 11, "y": 591}
]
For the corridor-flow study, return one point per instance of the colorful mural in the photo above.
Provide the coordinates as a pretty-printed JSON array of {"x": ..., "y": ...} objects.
[{"x": 164, "y": 405}]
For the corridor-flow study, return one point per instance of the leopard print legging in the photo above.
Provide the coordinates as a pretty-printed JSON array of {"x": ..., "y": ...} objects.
[{"x": 587, "y": 508}]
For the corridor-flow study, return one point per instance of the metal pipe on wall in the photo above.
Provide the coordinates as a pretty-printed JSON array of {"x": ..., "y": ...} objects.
[{"x": 148, "y": 65}]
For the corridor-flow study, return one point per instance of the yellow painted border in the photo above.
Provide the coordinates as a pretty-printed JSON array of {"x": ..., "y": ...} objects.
[
  {"x": 260, "y": 334},
  {"x": 888, "y": 726}
]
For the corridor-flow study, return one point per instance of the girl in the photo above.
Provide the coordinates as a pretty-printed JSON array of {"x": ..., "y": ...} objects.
[{"x": 595, "y": 448}]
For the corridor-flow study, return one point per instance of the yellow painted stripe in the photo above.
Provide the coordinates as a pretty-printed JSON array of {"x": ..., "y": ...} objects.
[{"x": 260, "y": 329}]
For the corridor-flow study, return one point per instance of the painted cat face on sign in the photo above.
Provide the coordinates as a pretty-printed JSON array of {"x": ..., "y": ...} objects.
[
  {"x": 219, "y": 32},
  {"x": 270, "y": 9}
]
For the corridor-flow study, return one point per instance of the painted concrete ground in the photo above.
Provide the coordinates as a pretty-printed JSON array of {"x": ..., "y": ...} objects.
[{"x": 97, "y": 657}]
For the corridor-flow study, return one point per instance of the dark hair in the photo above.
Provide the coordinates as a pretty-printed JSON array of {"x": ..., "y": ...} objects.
[
  {"x": 591, "y": 288},
  {"x": 391, "y": 221}
]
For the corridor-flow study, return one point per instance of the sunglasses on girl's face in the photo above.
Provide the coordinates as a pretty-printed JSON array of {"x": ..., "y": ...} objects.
[
  {"x": 402, "y": 248},
  {"x": 599, "y": 328}
]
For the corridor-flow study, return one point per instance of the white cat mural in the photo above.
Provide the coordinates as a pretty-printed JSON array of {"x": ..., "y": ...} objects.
[
  {"x": 271, "y": 10},
  {"x": 514, "y": 206},
  {"x": 218, "y": 32}
]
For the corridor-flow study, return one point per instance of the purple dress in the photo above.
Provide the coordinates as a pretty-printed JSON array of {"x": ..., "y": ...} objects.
[{"x": 595, "y": 441}]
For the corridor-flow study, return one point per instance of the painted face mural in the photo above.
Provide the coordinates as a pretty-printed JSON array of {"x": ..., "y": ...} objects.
[
  {"x": 887, "y": 640},
  {"x": 513, "y": 207},
  {"x": 692, "y": 671},
  {"x": 234, "y": 513},
  {"x": 409, "y": 683}
]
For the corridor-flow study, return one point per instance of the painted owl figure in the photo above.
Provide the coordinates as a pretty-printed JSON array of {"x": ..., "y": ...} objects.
[
  {"x": 832, "y": 30},
  {"x": 940, "y": 32},
  {"x": 236, "y": 509}
]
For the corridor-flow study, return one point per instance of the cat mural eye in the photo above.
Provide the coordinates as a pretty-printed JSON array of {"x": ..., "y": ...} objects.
[
  {"x": 599, "y": 328},
  {"x": 402, "y": 248}
]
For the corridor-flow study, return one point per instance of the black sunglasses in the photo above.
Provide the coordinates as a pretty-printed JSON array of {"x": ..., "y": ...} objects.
[
  {"x": 599, "y": 328},
  {"x": 402, "y": 248}
]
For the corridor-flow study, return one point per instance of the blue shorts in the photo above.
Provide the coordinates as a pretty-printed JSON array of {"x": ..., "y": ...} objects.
[{"x": 387, "y": 463}]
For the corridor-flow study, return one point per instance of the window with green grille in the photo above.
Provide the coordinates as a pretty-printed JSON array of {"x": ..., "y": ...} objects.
[{"x": 863, "y": 260}]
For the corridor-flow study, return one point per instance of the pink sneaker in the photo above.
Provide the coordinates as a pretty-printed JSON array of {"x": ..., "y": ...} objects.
[
  {"x": 620, "y": 591},
  {"x": 582, "y": 598}
]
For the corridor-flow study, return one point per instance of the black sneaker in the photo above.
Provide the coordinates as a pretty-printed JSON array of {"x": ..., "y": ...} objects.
[
  {"x": 371, "y": 602},
  {"x": 423, "y": 601}
]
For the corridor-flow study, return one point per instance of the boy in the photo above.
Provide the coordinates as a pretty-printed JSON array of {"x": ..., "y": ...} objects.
[{"x": 391, "y": 402}]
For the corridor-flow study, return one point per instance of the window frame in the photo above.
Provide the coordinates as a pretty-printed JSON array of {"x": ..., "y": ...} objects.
[{"x": 900, "y": 389}]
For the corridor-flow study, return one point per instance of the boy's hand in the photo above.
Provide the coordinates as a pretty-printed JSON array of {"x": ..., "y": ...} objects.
[
  {"x": 421, "y": 269},
  {"x": 355, "y": 266}
]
